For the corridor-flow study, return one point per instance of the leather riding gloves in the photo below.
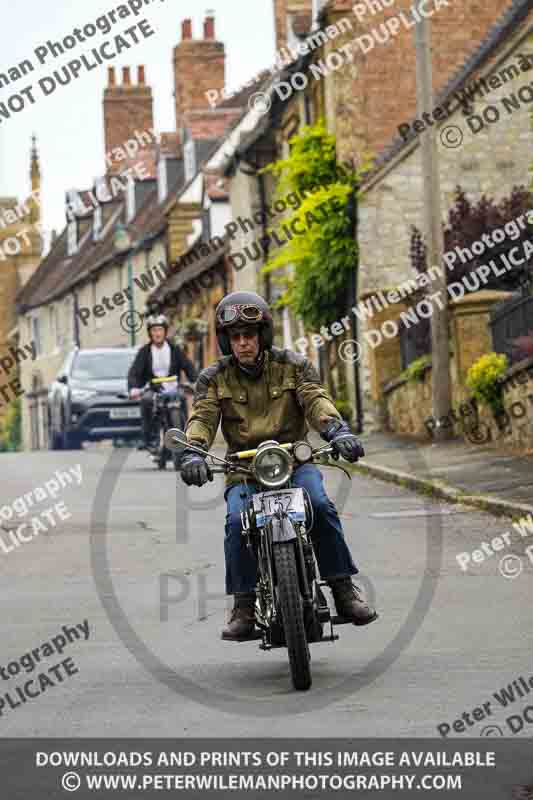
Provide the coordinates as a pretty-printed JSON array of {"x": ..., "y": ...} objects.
[
  {"x": 344, "y": 442},
  {"x": 195, "y": 470}
]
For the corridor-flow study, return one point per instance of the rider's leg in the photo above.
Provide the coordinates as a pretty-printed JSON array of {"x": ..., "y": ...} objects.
[
  {"x": 147, "y": 400},
  {"x": 333, "y": 555},
  {"x": 241, "y": 567}
]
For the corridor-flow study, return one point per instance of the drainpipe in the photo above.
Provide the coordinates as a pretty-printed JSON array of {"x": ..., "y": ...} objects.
[
  {"x": 76, "y": 321},
  {"x": 262, "y": 201},
  {"x": 354, "y": 276}
]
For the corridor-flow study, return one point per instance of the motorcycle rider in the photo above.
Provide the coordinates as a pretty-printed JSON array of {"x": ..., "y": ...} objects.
[
  {"x": 260, "y": 392},
  {"x": 156, "y": 359}
]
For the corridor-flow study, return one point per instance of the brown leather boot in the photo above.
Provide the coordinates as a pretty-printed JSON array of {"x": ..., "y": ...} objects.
[
  {"x": 242, "y": 621},
  {"x": 350, "y": 603}
]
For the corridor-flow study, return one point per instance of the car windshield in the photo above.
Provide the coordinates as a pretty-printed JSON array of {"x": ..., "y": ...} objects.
[{"x": 102, "y": 366}]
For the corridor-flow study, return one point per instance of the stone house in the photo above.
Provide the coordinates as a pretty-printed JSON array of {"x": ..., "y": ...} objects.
[
  {"x": 363, "y": 104},
  {"x": 20, "y": 253},
  {"x": 484, "y": 158},
  {"x": 124, "y": 235}
]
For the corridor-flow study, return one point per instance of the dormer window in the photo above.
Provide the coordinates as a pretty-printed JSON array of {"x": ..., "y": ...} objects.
[
  {"x": 189, "y": 157},
  {"x": 101, "y": 190},
  {"x": 162, "y": 179},
  {"x": 72, "y": 237},
  {"x": 130, "y": 200},
  {"x": 97, "y": 223}
]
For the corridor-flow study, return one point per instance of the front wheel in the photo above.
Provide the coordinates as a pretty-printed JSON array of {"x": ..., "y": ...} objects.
[{"x": 292, "y": 614}]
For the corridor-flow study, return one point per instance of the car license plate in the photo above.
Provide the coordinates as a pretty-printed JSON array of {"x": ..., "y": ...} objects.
[
  {"x": 125, "y": 413},
  {"x": 291, "y": 500}
]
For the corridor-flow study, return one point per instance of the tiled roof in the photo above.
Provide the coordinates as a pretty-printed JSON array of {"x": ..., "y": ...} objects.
[
  {"x": 242, "y": 96},
  {"x": 506, "y": 25},
  {"x": 58, "y": 274},
  {"x": 190, "y": 272}
]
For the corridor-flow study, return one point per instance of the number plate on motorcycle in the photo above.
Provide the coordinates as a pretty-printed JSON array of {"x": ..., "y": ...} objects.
[{"x": 266, "y": 504}]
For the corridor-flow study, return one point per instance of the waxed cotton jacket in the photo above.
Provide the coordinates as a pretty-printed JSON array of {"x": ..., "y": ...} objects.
[{"x": 276, "y": 405}]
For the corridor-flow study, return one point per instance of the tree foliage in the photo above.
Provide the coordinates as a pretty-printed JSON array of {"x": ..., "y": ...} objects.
[
  {"x": 323, "y": 256},
  {"x": 467, "y": 223},
  {"x": 11, "y": 429}
]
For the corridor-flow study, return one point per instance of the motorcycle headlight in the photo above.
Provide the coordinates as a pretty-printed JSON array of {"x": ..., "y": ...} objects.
[
  {"x": 272, "y": 466},
  {"x": 79, "y": 395}
]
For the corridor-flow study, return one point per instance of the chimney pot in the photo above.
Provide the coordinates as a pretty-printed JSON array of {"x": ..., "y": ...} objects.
[
  {"x": 126, "y": 78},
  {"x": 111, "y": 76},
  {"x": 209, "y": 26},
  {"x": 186, "y": 29},
  {"x": 141, "y": 75}
]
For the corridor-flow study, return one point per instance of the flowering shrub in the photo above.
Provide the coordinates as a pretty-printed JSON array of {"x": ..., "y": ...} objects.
[{"x": 483, "y": 380}]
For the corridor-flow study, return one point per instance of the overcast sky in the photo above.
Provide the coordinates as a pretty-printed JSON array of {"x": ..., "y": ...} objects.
[{"x": 69, "y": 123}]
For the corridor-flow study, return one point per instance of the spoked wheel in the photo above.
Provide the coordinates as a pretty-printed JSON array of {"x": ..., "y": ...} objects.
[{"x": 292, "y": 614}]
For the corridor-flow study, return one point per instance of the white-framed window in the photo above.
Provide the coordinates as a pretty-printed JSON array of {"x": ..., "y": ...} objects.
[
  {"x": 130, "y": 199},
  {"x": 97, "y": 321},
  {"x": 189, "y": 158},
  {"x": 52, "y": 326},
  {"x": 97, "y": 223},
  {"x": 287, "y": 335},
  {"x": 162, "y": 179},
  {"x": 102, "y": 193},
  {"x": 35, "y": 337},
  {"x": 66, "y": 330},
  {"x": 72, "y": 238}
]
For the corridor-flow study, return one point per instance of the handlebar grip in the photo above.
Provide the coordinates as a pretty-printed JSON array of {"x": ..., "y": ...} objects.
[{"x": 169, "y": 378}]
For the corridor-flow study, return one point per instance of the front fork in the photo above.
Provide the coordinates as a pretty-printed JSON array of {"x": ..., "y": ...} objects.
[{"x": 306, "y": 572}]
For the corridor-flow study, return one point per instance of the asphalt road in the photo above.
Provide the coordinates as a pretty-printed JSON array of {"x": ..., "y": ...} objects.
[{"x": 148, "y": 577}]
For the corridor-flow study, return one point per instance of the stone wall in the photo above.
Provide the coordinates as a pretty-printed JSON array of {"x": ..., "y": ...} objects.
[
  {"x": 409, "y": 408},
  {"x": 491, "y": 163},
  {"x": 370, "y": 96},
  {"x": 407, "y": 405}
]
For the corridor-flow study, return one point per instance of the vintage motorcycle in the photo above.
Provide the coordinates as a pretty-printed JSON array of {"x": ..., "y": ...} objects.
[
  {"x": 291, "y": 608},
  {"x": 168, "y": 412}
]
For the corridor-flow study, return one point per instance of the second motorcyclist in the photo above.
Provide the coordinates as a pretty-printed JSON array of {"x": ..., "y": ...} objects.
[{"x": 156, "y": 359}]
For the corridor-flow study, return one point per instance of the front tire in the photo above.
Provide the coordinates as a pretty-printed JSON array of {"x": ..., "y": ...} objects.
[{"x": 292, "y": 614}]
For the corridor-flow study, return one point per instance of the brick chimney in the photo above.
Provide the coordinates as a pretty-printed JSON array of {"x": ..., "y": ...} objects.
[
  {"x": 199, "y": 65},
  {"x": 128, "y": 110}
]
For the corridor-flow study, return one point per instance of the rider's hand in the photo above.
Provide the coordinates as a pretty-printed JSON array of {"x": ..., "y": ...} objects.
[
  {"x": 343, "y": 441},
  {"x": 135, "y": 394},
  {"x": 194, "y": 469}
]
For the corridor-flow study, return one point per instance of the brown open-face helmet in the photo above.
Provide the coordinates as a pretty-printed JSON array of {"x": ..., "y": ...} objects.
[{"x": 243, "y": 309}]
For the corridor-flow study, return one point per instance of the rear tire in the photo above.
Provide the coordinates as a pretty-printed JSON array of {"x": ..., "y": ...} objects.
[{"x": 292, "y": 614}]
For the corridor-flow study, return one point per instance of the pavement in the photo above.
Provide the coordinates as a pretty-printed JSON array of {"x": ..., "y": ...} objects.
[
  {"x": 483, "y": 476},
  {"x": 141, "y": 563}
]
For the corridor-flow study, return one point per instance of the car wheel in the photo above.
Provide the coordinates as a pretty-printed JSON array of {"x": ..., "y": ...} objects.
[
  {"x": 71, "y": 441},
  {"x": 54, "y": 439}
]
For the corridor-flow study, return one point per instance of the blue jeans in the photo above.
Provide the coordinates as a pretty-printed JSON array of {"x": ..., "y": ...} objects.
[{"x": 332, "y": 553}]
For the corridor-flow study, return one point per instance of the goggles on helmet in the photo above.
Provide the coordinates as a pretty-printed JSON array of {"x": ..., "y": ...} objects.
[{"x": 230, "y": 315}]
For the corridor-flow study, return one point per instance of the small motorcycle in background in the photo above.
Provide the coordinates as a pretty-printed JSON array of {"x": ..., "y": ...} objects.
[{"x": 169, "y": 411}]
